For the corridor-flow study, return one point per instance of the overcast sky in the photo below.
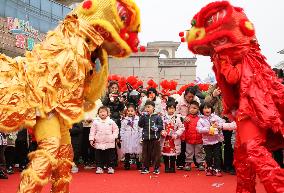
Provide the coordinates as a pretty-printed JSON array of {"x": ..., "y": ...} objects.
[{"x": 162, "y": 20}]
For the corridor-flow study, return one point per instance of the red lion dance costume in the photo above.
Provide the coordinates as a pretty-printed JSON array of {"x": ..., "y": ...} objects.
[
  {"x": 52, "y": 86},
  {"x": 251, "y": 92}
]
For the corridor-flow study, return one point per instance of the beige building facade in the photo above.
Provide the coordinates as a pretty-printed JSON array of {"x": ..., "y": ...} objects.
[
  {"x": 157, "y": 63},
  {"x": 280, "y": 64}
]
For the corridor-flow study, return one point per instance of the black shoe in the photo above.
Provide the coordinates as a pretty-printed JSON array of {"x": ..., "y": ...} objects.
[
  {"x": 3, "y": 175},
  {"x": 172, "y": 170},
  {"x": 232, "y": 172},
  {"x": 22, "y": 168},
  {"x": 10, "y": 170},
  {"x": 180, "y": 167},
  {"x": 145, "y": 171},
  {"x": 226, "y": 169},
  {"x": 138, "y": 166},
  {"x": 127, "y": 166},
  {"x": 201, "y": 167},
  {"x": 167, "y": 170},
  {"x": 156, "y": 171}
]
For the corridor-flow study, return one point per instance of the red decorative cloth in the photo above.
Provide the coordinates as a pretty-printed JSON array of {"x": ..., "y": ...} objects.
[
  {"x": 250, "y": 87},
  {"x": 168, "y": 146}
]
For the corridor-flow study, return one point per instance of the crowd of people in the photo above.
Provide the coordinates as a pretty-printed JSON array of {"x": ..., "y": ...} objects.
[{"x": 182, "y": 132}]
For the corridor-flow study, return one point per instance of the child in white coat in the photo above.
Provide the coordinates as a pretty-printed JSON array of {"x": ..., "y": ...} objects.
[
  {"x": 102, "y": 137},
  {"x": 131, "y": 137}
]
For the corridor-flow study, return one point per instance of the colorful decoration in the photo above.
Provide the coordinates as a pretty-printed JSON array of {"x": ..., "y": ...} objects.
[
  {"x": 252, "y": 95},
  {"x": 57, "y": 82},
  {"x": 203, "y": 87},
  {"x": 114, "y": 77},
  {"x": 152, "y": 84},
  {"x": 168, "y": 87}
]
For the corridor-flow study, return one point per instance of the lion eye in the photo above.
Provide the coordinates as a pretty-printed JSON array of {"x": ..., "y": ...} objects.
[{"x": 122, "y": 12}]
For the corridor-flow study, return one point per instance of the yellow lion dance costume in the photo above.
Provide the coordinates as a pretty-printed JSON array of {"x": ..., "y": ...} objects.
[{"x": 51, "y": 87}]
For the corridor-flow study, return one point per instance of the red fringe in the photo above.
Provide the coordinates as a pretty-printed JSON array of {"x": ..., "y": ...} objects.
[{"x": 212, "y": 8}]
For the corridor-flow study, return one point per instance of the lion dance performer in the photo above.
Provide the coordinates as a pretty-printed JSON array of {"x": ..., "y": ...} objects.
[
  {"x": 51, "y": 87},
  {"x": 251, "y": 93}
]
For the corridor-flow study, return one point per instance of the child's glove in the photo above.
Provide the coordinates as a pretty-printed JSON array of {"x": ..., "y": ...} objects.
[{"x": 154, "y": 128}]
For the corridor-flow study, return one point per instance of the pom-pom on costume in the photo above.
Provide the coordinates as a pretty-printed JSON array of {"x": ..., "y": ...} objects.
[
  {"x": 251, "y": 92},
  {"x": 52, "y": 86}
]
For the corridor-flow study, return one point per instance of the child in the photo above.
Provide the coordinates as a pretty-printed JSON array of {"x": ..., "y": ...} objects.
[
  {"x": 102, "y": 137},
  {"x": 193, "y": 139},
  {"x": 152, "y": 125},
  {"x": 131, "y": 137},
  {"x": 210, "y": 125},
  {"x": 171, "y": 143}
]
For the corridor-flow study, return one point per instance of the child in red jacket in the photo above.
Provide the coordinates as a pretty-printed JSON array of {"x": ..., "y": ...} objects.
[{"x": 193, "y": 139}]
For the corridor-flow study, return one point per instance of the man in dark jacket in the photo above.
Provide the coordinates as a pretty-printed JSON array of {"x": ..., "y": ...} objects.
[{"x": 152, "y": 125}]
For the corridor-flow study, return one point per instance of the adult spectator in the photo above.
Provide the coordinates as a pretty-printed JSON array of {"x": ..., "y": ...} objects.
[
  {"x": 183, "y": 103},
  {"x": 114, "y": 102},
  {"x": 152, "y": 95}
]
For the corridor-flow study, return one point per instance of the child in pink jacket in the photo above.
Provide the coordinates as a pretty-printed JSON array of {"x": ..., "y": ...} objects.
[{"x": 102, "y": 137}]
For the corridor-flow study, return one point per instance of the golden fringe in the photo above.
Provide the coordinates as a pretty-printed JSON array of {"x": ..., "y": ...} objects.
[
  {"x": 32, "y": 174},
  {"x": 44, "y": 153},
  {"x": 62, "y": 180},
  {"x": 66, "y": 178},
  {"x": 65, "y": 161}
]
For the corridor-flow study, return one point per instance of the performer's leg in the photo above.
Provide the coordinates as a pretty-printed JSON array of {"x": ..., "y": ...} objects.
[
  {"x": 244, "y": 171},
  {"x": 42, "y": 161},
  {"x": 61, "y": 176},
  {"x": 269, "y": 172}
]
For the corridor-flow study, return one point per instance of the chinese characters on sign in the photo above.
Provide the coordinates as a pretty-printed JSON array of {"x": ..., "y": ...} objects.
[{"x": 24, "y": 33}]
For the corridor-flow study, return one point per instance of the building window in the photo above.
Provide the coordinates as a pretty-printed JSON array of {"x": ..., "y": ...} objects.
[
  {"x": 10, "y": 11},
  {"x": 46, "y": 5},
  {"x": 34, "y": 22},
  {"x": 35, "y": 3},
  {"x": 22, "y": 15},
  {"x": 44, "y": 26},
  {"x": 57, "y": 10}
]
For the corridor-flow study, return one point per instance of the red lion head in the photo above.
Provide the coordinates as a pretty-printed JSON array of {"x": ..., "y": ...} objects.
[{"x": 218, "y": 26}]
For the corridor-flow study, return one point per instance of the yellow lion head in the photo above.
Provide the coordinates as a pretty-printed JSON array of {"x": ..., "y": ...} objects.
[{"x": 117, "y": 21}]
